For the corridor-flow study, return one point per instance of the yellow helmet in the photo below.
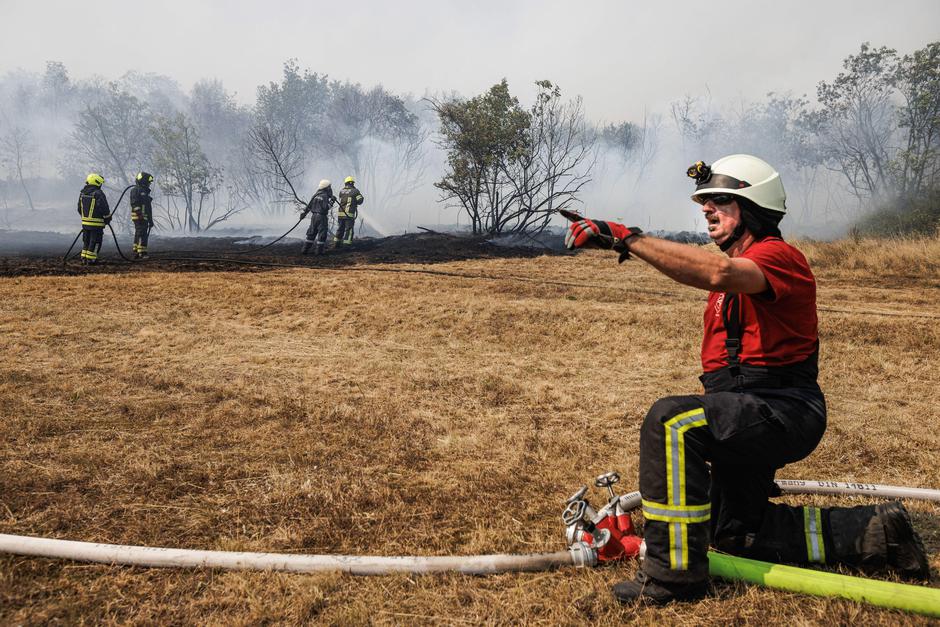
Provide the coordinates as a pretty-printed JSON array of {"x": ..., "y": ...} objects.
[
  {"x": 349, "y": 180},
  {"x": 95, "y": 179},
  {"x": 144, "y": 178}
]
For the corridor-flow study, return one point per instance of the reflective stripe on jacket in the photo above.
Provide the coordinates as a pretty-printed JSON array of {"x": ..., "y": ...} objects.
[
  {"x": 141, "y": 208},
  {"x": 93, "y": 206},
  {"x": 349, "y": 202}
]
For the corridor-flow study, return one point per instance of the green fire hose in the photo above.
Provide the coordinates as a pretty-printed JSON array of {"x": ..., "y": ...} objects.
[{"x": 899, "y": 596}]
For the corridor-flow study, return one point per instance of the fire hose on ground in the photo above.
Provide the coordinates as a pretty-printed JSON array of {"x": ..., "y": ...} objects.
[
  {"x": 65, "y": 258},
  {"x": 911, "y": 598}
]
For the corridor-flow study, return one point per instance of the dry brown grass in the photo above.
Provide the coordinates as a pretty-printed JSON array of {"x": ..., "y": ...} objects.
[
  {"x": 905, "y": 257},
  {"x": 389, "y": 413}
]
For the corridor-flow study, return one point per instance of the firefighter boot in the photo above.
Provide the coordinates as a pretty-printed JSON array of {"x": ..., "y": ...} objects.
[
  {"x": 906, "y": 552},
  {"x": 320, "y": 247},
  {"x": 645, "y": 588},
  {"x": 307, "y": 246},
  {"x": 873, "y": 538}
]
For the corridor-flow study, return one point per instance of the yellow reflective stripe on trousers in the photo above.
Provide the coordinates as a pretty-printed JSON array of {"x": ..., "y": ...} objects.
[
  {"x": 812, "y": 527},
  {"x": 678, "y": 546},
  {"x": 676, "y": 513},
  {"x": 675, "y": 481}
]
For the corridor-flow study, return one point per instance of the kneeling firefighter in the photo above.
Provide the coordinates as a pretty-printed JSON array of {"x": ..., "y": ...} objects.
[
  {"x": 707, "y": 461},
  {"x": 319, "y": 206},
  {"x": 141, "y": 213},
  {"x": 93, "y": 207},
  {"x": 349, "y": 202}
]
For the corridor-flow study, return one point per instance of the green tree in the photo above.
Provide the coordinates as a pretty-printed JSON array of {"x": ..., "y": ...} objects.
[
  {"x": 916, "y": 165},
  {"x": 57, "y": 87},
  {"x": 622, "y": 138},
  {"x": 510, "y": 168},
  {"x": 480, "y": 135},
  {"x": 297, "y": 104},
  {"x": 632, "y": 147},
  {"x": 285, "y": 136},
  {"x": 857, "y": 121}
]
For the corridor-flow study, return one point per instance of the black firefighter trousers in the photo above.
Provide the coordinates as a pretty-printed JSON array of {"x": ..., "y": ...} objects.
[
  {"x": 707, "y": 465},
  {"x": 316, "y": 233},
  {"x": 141, "y": 236},
  {"x": 92, "y": 237},
  {"x": 344, "y": 231}
]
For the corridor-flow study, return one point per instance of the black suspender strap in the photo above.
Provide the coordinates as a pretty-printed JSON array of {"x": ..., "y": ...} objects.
[{"x": 731, "y": 316}]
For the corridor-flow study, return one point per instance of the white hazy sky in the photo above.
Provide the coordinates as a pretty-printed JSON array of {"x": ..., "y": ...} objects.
[{"x": 622, "y": 57}]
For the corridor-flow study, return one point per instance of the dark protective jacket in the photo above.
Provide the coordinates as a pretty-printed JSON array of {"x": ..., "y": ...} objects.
[
  {"x": 321, "y": 202},
  {"x": 350, "y": 199},
  {"x": 141, "y": 204},
  {"x": 93, "y": 207}
]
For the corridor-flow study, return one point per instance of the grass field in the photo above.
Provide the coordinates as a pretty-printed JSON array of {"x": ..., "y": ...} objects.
[{"x": 377, "y": 412}]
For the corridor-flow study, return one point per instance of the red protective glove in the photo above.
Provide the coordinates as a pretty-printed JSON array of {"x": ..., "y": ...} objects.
[{"x": 600, "y": 234}]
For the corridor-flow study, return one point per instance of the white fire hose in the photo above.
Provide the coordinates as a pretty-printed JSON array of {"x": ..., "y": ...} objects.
[
  {"x": 232, "y": 560},
  {"x": 631, "y": 500},
  {"x": 578, "y": 555}
]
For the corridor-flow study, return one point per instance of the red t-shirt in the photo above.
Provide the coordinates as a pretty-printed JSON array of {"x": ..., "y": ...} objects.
[{"x": 778, "y": 327}]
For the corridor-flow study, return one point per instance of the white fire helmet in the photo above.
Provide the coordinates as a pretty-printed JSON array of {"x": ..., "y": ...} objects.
[
  {"x": 742, "y": 175},
  {"x": 323, "y": 184}
]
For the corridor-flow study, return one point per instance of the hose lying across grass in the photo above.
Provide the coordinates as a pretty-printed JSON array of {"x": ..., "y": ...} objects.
[{"x": 917, "y": 599}]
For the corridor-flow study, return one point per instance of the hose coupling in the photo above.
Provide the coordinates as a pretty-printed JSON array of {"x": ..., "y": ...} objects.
[{"x": 583, "y": 555}]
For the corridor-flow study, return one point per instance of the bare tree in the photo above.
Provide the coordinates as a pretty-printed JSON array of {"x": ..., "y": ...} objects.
[
  {"x": 16, "y": 152},
  {"x": 280, "y": 160},
  {"x": 188, "y": 177},
  {"x": 113, "y": 133},
  {"x": 375, "y": 136},
  {"x": 283, "y": 137},
  {"x": 648, "y": 146},
  {"x": 556, "y": 165},
  {"x": 633, "y": 146},
  {"x": 697, "y": 123}
]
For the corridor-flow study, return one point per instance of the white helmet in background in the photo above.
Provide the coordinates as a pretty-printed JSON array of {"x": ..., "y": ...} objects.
[
  {"x": 323, "y": 184},
  {"x": 740, "y": 175}
]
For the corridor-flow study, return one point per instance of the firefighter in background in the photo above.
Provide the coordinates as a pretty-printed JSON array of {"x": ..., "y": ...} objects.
[
  {"x": 141, "y": 213},
  {"x": 707, "y": 461},
  {"x": 350, "y": 199},
  {"x": 93, "y": 207},
  {"x": 319, "y": 206}
]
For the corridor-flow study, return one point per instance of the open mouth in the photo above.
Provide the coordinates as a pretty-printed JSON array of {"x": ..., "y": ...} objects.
[{"x": 713, "y": 222}]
